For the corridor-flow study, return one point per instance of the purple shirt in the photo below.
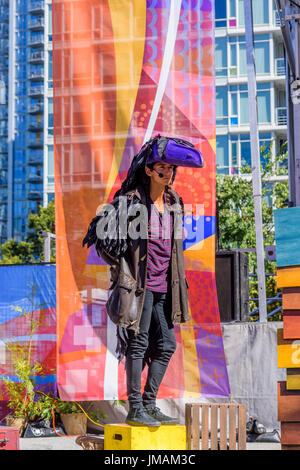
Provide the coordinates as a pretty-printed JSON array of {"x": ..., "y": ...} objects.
[{"x": 159, "y": 248}]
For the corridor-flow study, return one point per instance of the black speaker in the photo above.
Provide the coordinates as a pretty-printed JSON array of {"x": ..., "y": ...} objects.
[{"x": 232, "y": 281}]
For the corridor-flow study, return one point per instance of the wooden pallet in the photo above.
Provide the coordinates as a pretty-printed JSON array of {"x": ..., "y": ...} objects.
[{"x": 216, "y": 426}]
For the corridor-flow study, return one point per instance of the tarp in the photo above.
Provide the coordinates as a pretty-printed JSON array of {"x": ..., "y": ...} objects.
[
  {"x": 124, "y": 71},
  {"x": 17, "y": 307}
]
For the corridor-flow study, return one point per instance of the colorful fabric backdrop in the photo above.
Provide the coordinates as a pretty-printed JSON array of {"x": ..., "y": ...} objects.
[
  {"x": 124, "y": 71},
  {"x": 15, "y": 314}
]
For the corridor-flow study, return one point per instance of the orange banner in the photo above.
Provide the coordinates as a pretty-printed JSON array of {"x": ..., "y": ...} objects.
[{"x": 124, "y": 71}]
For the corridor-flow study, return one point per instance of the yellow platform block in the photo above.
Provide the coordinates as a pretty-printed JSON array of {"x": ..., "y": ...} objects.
[
  {"x": 293, "y": 379},
  {"x": 125, "y": 437}
]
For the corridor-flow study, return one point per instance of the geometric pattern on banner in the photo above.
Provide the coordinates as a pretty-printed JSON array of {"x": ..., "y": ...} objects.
[{"x": 16, "y": 283}]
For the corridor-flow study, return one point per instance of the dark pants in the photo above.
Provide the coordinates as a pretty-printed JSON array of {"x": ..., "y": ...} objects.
[{"x": 156, "y": 340}]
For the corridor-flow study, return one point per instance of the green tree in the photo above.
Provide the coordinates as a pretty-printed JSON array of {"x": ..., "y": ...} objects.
[
  {"x": 236, "y": 215},
  {"x": 31, "y": 250}
]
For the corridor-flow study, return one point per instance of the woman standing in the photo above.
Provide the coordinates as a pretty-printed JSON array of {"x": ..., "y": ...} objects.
[{"x": 149, "y": 291}]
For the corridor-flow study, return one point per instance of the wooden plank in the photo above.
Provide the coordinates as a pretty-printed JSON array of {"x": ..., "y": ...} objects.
[
  {"x": 288, "y": 277},
  {"x": 188, "y": 425},
  {"x": 196, "y": 428},
  {"x": 288, "y": 351},
  {"x": 291, "y": 298},
  {"x": 288, "y": 403},
  {"x": 290, "y": 433},
  {"x": 284, "y": 447},
  {"x": 242, "y": 427},
  {"x": 293, "y": 379},
  {"x": 287, "y": 234},
  {"x": 223, "y": 426},
  {"x": 214, "y": 427},
  {"x": 291, "y": 324},
  {"x": 232, "y": 427},
  {"x": 204, "y": 427}
]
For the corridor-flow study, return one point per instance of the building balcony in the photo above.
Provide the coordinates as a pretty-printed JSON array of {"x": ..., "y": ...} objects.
[
  {"x": 276, "y": 19},
  {"x": 36, "y": 143},
  {"x": 36, "y": 7},
  {"x": 3, "y": 164},
  {"x": 37, "y": 40},
  {"x": 281, "y": 116},
  {"x": 35, "y": 195},
  {"x": 3, "y": 181},
  {"x": 4, "y": 14},
  {"x": 3, "y": 132},
  {"x": 4, "y": 148},
  {"x": 37, "y": 91},
  {"x": 36, "y": 108},
  {"x": 4, "y": 30},
  {"x": 36, "y": 57},
  {"x": 3, "y": 197},
  {"x": 34, "y": 178},
  {"x": 3, "y": 214},
  {"x": 280, "y": 66},
  {"x": 36, "y": 24},
  {"x": 35, "y": 126},
  {"x": 36, "y": 75},
  {"x": 36, "y": 157},
  {"x": 3, "y": 113}
]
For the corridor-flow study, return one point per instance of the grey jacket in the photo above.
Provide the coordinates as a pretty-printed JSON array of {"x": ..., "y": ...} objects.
[{"x": 128, "y": 274}]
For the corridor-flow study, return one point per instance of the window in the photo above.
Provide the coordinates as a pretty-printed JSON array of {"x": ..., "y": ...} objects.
[
  {"x": 239, "y": 104},
  {"x": 50, "y": 175},
  {"x": 222, "y": 105},
  {"x": 20, "y": 156},
  {"x": 240, "y": 150},
  {"x": 262, "y": 54},
  {"x": 221, "y": 56},
  {"x": 50, "y": 22},
  {"x": 19, "y": 208},
  {"x": 50, "y": 116},
  {"x": 222, "y": 154},
  {"x": 19, "y": 173},
  {"x": 19, "y": 191},
  {"x": 50, "y": 70},
  {"x": 260, "y": 9},
  {"x": 220, "y": 13},
  {"x": 20, "y": 123},
  {"x": 244, "y": 106},
  {"x": 237, "y": 55},
  {"x": 263, "y": 103},
  {"x": 50, "y": 197}
]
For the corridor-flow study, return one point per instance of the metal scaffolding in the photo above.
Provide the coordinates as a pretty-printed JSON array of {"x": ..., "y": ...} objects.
[
  {"x": 289, "y": 15},
  {"x": 255, "y": 161}
]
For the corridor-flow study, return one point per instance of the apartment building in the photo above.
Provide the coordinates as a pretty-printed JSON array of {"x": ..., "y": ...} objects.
[
  {"x": 26, "y": 115},
  {"x": 232, "y": 107}
]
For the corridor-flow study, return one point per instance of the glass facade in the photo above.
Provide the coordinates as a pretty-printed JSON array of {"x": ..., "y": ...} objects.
[
  {"x": 232, "y": 105},
  {"x": 230, "y": 13},
  {"x": 26, "y": 118},
  {"x": 4, "y": 35}
]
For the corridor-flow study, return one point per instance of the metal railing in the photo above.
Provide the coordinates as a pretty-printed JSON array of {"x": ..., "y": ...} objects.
[
  {"x": 269, "y": 300},
  {"x": 281, "y": 116},
  {"x": 36, "y": 5},
  {"x": 36, "y": 22},
  {"x": 280, "y": 66},
  {"x": 276, "y": 19},
  {"x": 39, "y": 55}
]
